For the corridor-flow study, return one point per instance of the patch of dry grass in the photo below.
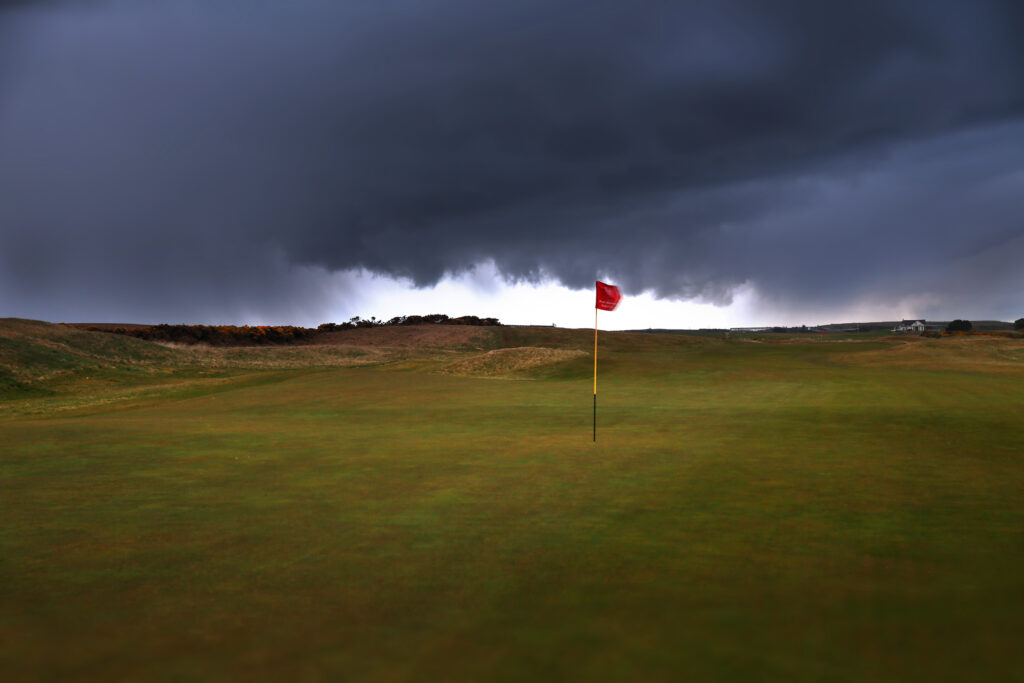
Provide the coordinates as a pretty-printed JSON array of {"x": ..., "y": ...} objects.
[
  {"x": 411, "y": 336},
  {"x": 278, "y": 357},
  {"x": 511, "y": 363},
  {"x": 965, "y": 353}
]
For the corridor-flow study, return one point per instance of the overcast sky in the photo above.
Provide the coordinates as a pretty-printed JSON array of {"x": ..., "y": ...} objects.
[{"x": 726, "y": 163}]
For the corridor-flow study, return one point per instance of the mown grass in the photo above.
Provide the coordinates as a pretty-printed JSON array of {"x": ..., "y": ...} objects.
[{"x": 751, "y": 511}]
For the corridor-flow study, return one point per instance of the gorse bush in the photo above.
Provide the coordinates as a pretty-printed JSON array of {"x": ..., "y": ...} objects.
[
  {"x": 245, "y": 335},
  {"x": 216, "y": 335}
]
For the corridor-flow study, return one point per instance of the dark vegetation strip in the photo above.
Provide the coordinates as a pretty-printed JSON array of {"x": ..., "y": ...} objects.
[{"x": 258, "y": 335}]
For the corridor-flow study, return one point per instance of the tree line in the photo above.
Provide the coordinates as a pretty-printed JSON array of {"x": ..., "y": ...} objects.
[
  {"x": 404, "y": 320},
  {"x": 966, "y": 326}
]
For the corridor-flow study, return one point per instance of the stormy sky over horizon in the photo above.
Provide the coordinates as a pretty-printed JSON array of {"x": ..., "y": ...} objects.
[{"x": 727, "y": 163}]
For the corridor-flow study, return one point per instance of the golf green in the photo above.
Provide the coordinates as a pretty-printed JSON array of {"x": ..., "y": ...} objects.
[{"x": 787, "y": 509}]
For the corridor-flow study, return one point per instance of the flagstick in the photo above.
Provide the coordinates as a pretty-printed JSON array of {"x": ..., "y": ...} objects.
[{"x": 595, "y": 374}]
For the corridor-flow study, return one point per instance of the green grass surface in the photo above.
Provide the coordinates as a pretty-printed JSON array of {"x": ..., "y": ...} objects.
[{"x": 800, "y": 510}]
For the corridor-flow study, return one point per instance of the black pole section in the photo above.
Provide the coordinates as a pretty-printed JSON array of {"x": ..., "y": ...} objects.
[{"x": 595, "y": 418}]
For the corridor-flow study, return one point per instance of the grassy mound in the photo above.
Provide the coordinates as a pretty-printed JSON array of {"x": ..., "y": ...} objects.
[
  {"x": 37, "y": 356},
  {"x": 47, "y": 368}
]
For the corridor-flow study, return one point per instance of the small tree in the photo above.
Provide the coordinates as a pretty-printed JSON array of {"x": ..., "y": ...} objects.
[
  {"x": 1018, "y": 324},
  {"x": 959, "y": 326}
]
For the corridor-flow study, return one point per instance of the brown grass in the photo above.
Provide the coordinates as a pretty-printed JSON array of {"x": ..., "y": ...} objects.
[
  {"x": 966, "y": 352},
  {"x": 510, "y": 363},
  {"x": 277, "y": 357},
  {"x": 411, "y": 336}
]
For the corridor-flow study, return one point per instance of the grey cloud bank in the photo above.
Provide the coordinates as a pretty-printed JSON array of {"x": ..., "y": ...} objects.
[{"x": 212, "y": 160}]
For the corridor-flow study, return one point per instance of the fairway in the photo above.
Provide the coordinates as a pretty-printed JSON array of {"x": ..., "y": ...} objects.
[{"x": 774, "y": 509}]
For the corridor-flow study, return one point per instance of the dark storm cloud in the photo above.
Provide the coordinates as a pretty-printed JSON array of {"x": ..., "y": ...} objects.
[{"x": 212, "y": 158}]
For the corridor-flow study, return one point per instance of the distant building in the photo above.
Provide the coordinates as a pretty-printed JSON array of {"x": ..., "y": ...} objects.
[{"x": 906, "y": 326}]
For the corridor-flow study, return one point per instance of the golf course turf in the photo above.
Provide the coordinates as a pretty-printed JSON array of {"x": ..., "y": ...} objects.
[{"x": 788, "y": 508}]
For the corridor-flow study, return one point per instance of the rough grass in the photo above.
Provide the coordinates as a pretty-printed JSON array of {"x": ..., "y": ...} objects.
[
  {"x": 518, "y": 362},
  {"x": 46, "y": 368},
  {"x": 991, "y": 353},
  {"x": 417, "y": 336},
  {"x": 35, "y": 352},
  {"x": 751, "y": 511}
]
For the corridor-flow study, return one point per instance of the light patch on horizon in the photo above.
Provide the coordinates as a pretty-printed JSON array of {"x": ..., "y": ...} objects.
[
  {"x": 521, "y": 303},
  {"x": 483, "y": 291}
]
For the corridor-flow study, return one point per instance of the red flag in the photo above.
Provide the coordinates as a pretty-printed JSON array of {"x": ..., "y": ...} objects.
[{"x": 607, "y": 296}]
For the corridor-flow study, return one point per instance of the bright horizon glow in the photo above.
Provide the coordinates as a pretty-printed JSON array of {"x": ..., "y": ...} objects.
[
  {"x": 523, "y": 303},
  {"x": 483, "y": 292},
  {"x": 315, "y": 295}
]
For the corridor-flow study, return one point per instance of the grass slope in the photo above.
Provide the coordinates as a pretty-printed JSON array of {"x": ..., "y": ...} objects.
[
  {"x": 46, "y": 368},
  {"x": 752, "y": 511},
  {"x": 38, "y": 358}
]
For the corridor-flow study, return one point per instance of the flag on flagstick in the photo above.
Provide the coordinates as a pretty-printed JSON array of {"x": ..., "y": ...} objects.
[{"x": 608, "y": 297}]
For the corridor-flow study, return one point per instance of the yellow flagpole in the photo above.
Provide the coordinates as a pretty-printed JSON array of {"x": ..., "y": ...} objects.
[{"x": 595, "y": 373}]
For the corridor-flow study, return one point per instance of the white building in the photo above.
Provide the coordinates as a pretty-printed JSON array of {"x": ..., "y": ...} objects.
[{"x": 909, "y": 326}]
